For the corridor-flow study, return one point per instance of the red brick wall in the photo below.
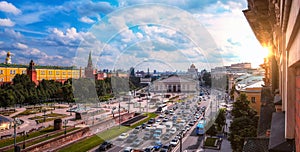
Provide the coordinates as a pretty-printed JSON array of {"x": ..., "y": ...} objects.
[{"x": 297, "y": 112}]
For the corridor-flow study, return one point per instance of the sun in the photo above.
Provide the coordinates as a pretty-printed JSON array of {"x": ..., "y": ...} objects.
[{"x": 266, "y": 51}]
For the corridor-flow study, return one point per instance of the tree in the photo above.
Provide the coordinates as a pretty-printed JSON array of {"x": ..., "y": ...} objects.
[
  {"x": 240, "y": 128},
  {"x": 212, "y": 131},
  {"x": 221, "y": 119},
  {"x": 244, "y": 123},
  {"x": 207, "y": 78},
  {"x": 242, "y": 108}
]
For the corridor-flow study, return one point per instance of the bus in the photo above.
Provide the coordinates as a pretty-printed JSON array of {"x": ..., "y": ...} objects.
[
  {"x": 200, "y": 128},
  {"x": 162, "y": 108}
]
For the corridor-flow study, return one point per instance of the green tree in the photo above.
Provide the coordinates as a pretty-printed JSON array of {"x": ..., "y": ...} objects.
[
  {"x": 242, "y": 108},
  {"x": 244, "y": 123},
  {"x": 221, "y": 119},
  {"x": 212, "y": 131},
  {"x": 207, "y": 78}
]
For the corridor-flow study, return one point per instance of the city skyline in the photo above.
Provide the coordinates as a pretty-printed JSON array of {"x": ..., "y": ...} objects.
[{"x": 56, "y": 33}]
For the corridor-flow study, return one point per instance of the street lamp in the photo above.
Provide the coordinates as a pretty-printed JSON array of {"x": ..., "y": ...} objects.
[
  {"x": 24, "y": 134},
  {"x": 70, "y": 109},
  {"x": 44, "y": 110},
  {"x": 65, "y": 123},
  {"x": 181, "y": 136},
  {"x": 119, "y": 114}
]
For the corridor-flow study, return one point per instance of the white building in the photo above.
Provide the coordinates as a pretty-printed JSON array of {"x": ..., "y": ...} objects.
[{"x": 175, "y": 84}]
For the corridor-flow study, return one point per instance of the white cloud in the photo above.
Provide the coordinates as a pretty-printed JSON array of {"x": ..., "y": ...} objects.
[
  {"x": 20, "y": 46},
  {"x": 12, "y": 33},
  {"x": 86, "y": 19},
  {"x": 3, "y": 53},
  {"x": 6, "y": 22},
  {"x": 9, "y": 8}
]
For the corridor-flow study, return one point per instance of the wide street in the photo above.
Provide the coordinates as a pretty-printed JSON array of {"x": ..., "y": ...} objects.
[{"x": 185, "y": 111}]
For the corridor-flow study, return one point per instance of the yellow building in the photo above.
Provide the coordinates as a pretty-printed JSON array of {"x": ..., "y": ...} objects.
[
  {"x": 8, "y": 72},
  {"x": 253, "y": 93}
]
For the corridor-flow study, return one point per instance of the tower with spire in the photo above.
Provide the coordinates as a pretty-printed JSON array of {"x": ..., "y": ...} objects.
[
  {"x": 89, "y": 71},
  {"x": 31, "y": 72}
]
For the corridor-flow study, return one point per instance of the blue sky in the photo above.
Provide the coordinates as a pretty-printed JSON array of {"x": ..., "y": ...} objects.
[{"x": 159, "y": 34}]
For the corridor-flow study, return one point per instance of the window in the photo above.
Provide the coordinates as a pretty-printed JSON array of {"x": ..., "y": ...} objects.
[
  {"x": 24, "y": 72},
  {"x": 64, "y": 73},
  {"x": 253, "y": 99},
  {"x": 69, "y": 73},
  {"x": 50, "y": 72},
  {"x": 1, "y": 79},
  {"x": 42, "y": 72},
  {"x": 12, "y": 71},
  {"x": 57, "y": 73},
  {"x": 1, "y": 71}
]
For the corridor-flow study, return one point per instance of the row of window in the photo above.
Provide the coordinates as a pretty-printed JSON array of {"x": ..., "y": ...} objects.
[
  {"x": 12, "y": 72},
  {"x": 58, "y": 73},
  {"x": 42, "y": 72}
]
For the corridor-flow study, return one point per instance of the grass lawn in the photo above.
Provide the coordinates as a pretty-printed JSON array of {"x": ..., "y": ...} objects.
[
  {"x": 36, "y": 117},
  {"x": 27, "y": 144},
  {"x": 210, "y": 141},
  {"x": 98, "y": 139},
  {"x": 55, "y": 115},
  {"x": 9, "y": 141}
]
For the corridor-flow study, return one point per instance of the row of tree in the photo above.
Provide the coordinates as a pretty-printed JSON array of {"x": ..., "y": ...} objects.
[{"x": 23, "y": 91}]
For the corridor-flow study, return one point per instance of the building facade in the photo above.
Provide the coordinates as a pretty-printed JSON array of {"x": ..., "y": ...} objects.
[
  {"x": 175, "y": 84},
  {"x": 276, "y": 25},
  {"x": 8, "y": 72}
]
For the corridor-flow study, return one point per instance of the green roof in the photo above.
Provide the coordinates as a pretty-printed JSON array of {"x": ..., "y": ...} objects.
[{"x": 37, "y": 66}]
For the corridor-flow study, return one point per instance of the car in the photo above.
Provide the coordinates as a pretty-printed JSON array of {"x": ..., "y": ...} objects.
[
  {"x": 105, "y": 145},
  {"x": 137, "y": 142},
  {"x": 158, "y": 120},
  {"x": 151, "y": 121},
  {"x": 157, "y": 145},
  {"x": 167, "y": 136},
  {"x": 123, "y": 136},
  {"x": 174, "y": 142},
  {"x": 191, "y": 123},
  {"x": 173, "y": 130},
  {"x": 161, "y": 116},
  {"x": 166, "y": 148},
  {"x": 137, "y": 129},
  {"x": 187, "y": 128},
  {"x": 143, "y": 126},
  {"x": 131, "y": 138},
  {"x": 147, "y": 136},
  {"x": 165, "y": 120},
  {"x": 149, "y": 149},
  {"x": 128, "y": 149}
]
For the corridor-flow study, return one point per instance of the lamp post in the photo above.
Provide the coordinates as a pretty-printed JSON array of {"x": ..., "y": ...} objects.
[
  {"x": 65, "y": 123},
  {"x": 70, "y": 109},
  {"x": 15, "y": 133},
  {"x": 119, "y": 114},
  {"x": 181, "y": 135},
  {"x": 24, "y": 134}
]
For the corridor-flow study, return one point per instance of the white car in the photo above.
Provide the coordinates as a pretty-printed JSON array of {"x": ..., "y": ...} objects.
[
  {"x": 174, "y": 142},
  {"x": 173, "y": 130},
  {"x": 128, "y": 149},
  {"x": 123, "y": 136}
]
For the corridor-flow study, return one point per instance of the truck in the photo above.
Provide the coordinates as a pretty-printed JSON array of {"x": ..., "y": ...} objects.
[{"x": 161, "y": 129}]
